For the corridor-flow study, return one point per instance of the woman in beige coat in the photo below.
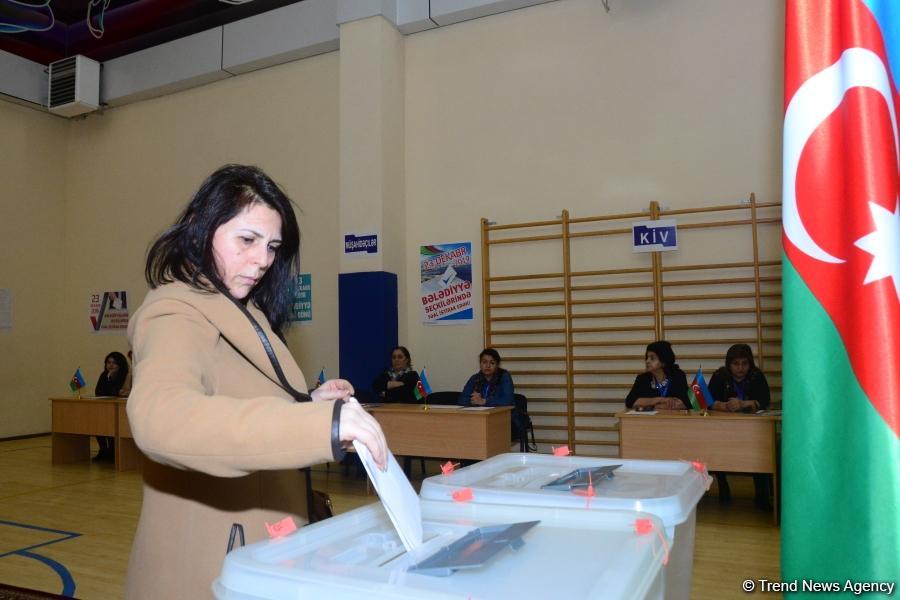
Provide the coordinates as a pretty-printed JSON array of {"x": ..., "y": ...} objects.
[{"x": 214, "y": 399}]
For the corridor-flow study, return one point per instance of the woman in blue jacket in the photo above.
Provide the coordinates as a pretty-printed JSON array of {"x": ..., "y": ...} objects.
[{"x": 491, "y": 385}]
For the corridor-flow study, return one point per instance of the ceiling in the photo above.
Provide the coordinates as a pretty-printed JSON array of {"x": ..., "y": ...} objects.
[{"x": 48, "y": 30}]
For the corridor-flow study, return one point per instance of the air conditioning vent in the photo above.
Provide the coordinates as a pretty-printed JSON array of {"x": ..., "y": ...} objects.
[{"x": 74, "y": 86}]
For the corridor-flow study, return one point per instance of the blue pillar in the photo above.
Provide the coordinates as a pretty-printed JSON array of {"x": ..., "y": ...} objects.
[{"x": 368, "y": 325}]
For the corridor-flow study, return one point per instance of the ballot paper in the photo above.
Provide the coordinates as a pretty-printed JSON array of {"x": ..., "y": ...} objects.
[{"x": 399, "y": 498}]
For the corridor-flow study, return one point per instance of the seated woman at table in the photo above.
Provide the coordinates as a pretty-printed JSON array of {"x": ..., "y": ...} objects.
[
  {"x": 740, "y": 386},
  {"x": 397, "y": 384},
  {"x": 491, "y": 385},
  {"x": 662, "y": 385},
  {"x": 110, "y": 382}
]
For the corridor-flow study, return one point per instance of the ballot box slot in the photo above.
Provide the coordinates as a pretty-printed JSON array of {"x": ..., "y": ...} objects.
[
  {"x": 474, "y": 549},
  {"x": 581, "y": 478}
]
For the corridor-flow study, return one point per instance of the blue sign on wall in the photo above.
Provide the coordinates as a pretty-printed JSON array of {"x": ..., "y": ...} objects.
[
  {"x": 654, "y": 236},
  {"x": 366, "y": 243},
  {"x": 301, "y": 310}
]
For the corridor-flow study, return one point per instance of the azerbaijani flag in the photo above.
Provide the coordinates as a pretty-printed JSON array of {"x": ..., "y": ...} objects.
[
  {"x": 321, "y": 378},
  {"x": 698, "y": 392},
  {"x": 423, "y": 388},
  {"x": 841, "y": 280},
  {"x": 77, "y": 381}
]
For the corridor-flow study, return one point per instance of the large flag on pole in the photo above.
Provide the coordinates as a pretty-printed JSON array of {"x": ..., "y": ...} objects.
[{"x": 841, "y": 279}]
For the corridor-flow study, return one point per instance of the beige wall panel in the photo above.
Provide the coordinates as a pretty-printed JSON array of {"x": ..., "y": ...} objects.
[
  {"x": 33, "y": 146},
  {"x": 517, "y": 116}
]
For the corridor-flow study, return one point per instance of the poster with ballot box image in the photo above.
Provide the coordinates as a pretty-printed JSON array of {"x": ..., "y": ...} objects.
[{"x": 446, "y": 283}]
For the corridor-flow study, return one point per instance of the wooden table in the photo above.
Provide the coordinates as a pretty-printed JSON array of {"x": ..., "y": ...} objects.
[
  {"x": 444, "y": 432},
  {"x": 736, "y": 442},
  {"x": 75, "y": 420}
]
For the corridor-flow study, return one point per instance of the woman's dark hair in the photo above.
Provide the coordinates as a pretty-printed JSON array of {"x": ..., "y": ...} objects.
[
  {"x": 740, "y": 351},
  {"x": 490, "y": 352},
  {"x": 663, "y": 351},
  {"x": 405, "y": 353},
  {"x": 184, "y": 251},
  {"x": 120, "y": 360}
]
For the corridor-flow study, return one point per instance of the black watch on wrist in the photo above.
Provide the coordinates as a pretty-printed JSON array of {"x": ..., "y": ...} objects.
[{"x": 336, "y": 450}]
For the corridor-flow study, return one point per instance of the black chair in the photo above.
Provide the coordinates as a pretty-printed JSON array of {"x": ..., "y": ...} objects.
[
  {"x": 445, "y": 398},
  {"x": 522, "y": 425},
  {"x": 365, "y": 397}
]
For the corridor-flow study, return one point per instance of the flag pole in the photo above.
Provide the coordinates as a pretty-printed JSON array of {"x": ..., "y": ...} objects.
[
  {"x": 705, "y": 412},
  {"x": 426, "y": 393}
]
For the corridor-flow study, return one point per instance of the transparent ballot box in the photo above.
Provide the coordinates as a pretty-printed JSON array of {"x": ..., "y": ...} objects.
[
  {"x": 468, "y": 552},
  {"x": 668, "y": 489}
]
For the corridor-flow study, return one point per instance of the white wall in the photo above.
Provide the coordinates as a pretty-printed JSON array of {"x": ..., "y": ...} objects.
[
  {"x": 33, "y": 146},
  {"x": 519, "y": 115}
]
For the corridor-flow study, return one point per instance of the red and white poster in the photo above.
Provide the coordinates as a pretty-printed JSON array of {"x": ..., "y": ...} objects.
[{"x": 109, "y": 312}]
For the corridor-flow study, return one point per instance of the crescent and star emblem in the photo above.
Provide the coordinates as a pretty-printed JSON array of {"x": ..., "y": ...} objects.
[{"x": 814, "y": 101}]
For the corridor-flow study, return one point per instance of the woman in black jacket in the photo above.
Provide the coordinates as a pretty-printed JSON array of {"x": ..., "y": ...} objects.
[
  {"x": 397, "y": 384},
  {"x": 740, "y": 386},
  {"x": 662, "y": 385},
  {"x": 110, "y": 382}
]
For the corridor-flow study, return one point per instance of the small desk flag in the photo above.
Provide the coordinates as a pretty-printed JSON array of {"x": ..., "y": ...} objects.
[
  {"x": 698, "y": 393},
  {"x": 77, "y": 381},
  {"x": 423, "y": 388}
]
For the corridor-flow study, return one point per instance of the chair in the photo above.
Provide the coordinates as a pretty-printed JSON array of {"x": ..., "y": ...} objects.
[
  {"x": 522, "y": 425},
  {"x": 365, "y": 397},
  {"x": 447, "y": 398}
]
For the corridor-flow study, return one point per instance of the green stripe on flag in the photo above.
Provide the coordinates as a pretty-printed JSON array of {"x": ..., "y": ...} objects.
[{"x": 841, "y": 461}]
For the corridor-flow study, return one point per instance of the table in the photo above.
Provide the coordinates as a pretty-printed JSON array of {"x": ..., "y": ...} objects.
[
  {"x": 75, "y": 420},
  {"x": 736, "y": 442},
  {"x": 444, "y": 432}
]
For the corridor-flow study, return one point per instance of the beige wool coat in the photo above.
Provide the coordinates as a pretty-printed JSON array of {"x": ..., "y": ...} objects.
[{"x": 223, "y": 439}]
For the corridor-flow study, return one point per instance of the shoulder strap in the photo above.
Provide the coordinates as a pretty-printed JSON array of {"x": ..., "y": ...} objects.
[{"x": 270, "y": 352}]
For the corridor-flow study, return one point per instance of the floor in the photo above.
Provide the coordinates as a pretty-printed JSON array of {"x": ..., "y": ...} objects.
[{"x": 67, "y": 529}]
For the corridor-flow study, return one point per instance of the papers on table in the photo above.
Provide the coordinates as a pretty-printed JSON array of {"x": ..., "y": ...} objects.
[
  {"x": 444, "y": 406},
  {"x": 398, "y": 497},
  {"x": 641, "y": 412},
  {"x": 477, "y": 407}
]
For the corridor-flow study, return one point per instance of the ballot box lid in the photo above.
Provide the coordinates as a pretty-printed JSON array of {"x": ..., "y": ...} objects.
[
  {"x": 668, "y": 489},
  {"x": 569, "y": 553}
]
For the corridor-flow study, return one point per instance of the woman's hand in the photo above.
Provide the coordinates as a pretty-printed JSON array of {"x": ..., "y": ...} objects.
[
  {"x": 733, "y": 405},
  {"x": 357, "y": 424},
  {"x": 645, "y": 403},
  {"x": 394, "y": 384},
  {"x": 671, "y": 403},
  {"x": 333, "y": 389},
  {"x": 476, "y": 399}
]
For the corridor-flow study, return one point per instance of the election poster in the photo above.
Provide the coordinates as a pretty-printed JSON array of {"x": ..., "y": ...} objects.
[
  {"x": 109, "y": 312},
  {"x": 301, "y": 308},
  {"x": 446, "y": 283}
]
